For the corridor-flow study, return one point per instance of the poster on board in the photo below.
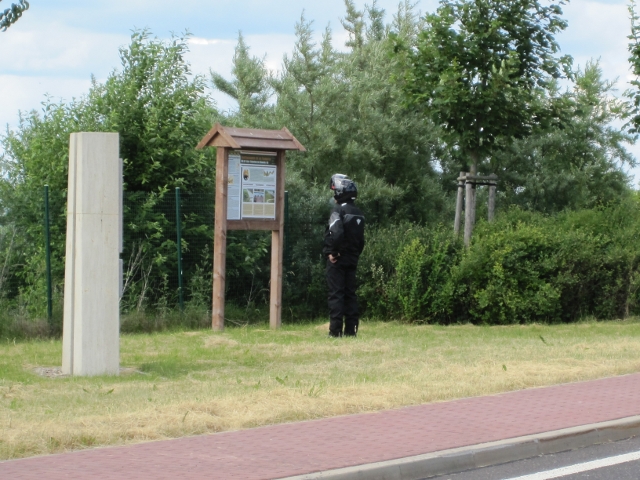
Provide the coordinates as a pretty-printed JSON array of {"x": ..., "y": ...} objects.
[{"x": 252, "y": 176}]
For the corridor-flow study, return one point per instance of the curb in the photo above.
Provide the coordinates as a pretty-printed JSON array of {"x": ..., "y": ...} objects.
[{"x": 485, "y": 454}]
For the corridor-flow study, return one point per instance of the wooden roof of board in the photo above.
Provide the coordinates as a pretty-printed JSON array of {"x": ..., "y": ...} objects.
[{"x": 253, "y": 138}]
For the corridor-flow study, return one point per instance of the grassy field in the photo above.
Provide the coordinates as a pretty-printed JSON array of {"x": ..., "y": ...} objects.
[{"x": 193, "y": 382}]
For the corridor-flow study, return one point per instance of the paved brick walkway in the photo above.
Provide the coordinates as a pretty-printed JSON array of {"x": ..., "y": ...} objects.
[{"x": 307, "y": 447}]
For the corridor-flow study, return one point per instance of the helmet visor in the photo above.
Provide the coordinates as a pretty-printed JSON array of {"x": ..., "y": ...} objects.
[{"x": 337, "y": 182}]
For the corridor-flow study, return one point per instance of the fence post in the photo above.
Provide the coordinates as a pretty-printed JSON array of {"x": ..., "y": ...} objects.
[
  {"x": 47, "y": 255},
  {"x": 179, "y": 249}
]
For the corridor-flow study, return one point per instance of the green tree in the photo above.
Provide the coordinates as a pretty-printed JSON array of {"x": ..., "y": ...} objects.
[
  {"x": 250, "y": 87},
  {"x": 578, "y": 165},
  {"x": 12, "y": 14},
  {"x": 634, "y": 60},
  {"x": 34, "y": 155},
  {"x": 160, "y": 111},
  {"x": 478, "y": 68},
  {"x": 345, "y": 109}
]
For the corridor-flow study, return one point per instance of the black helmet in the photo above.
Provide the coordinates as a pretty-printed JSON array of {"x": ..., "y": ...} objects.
[{"x": 343, "y": 187}]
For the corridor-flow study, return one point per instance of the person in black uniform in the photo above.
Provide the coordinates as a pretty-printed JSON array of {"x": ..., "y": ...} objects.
[{"x": 343, "y": 244}]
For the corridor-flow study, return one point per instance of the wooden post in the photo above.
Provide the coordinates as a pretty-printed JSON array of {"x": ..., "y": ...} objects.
[
  {"x": 492, "y": 202},
  {"x": 474, "y": 187},
  {"x": 220, "y": 239},
  {"x": 468, "y": 211},
  {"x": 277, "y": 244},
  {"x": 456, "y": 222}
]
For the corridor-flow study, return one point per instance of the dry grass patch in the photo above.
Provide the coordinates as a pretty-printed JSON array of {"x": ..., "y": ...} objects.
[
  {"x": 218, "y": 341},
  {"x": 188, "y": 383}
]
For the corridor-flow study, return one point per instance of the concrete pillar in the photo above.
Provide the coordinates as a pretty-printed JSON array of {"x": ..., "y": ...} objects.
[{"x": 91, "y": 329}]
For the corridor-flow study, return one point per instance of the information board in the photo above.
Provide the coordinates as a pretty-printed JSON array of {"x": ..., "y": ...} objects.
[{"x": 251, "y": 189}]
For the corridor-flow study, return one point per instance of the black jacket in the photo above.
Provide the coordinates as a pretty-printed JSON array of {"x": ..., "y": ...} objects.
[{"x": 344, "y": 235}]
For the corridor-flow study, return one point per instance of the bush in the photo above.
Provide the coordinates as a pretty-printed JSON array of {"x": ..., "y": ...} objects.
[
  {"x": 405, "y": 272},
  {"x": 528, "y": 267},
  {"x": 525, "y": 267}
]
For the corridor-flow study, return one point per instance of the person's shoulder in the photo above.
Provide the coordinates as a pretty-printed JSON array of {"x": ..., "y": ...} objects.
[
  {"x": 335, "y": 211},
  {"x": 353, "y": 208}
]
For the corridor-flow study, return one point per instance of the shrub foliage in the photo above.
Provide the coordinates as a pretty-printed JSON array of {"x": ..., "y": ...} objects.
[{"x": 525, "y": 267}]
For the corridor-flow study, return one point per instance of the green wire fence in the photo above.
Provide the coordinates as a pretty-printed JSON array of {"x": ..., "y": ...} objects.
[{"x": 167, "y": 259}]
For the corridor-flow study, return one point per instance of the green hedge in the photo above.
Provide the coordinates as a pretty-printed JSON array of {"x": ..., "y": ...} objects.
[{"x": 525, "y": 267}]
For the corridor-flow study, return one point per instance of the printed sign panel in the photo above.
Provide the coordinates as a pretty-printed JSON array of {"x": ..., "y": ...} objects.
[{"x": 255, "y": 176}]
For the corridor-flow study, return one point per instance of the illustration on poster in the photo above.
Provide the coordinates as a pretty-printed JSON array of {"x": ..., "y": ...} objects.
[{"x": 270, "y": 196}]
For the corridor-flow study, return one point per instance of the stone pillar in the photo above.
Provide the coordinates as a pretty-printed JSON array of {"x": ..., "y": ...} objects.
[{"x": 91, "y": 329}]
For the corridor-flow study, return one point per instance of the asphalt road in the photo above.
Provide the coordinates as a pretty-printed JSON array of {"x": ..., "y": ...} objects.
[{"x": 541, "y": 468}]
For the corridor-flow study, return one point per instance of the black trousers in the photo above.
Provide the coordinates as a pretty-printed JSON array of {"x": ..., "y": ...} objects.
[{"x": 343, "y": 302}]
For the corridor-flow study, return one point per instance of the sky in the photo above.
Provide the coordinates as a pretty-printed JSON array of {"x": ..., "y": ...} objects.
[{"x": 57, "y": 45}]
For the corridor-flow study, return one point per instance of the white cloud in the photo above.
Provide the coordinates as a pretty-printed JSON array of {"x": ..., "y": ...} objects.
[
  {"x": 598, "y": 23},
  {"x": 54, "y": 59},
  {"x": 206, "y": 41},
  {"x": 26, "y": 93},
  {"x": 598, "y": 30},
  {"x": 56, "y": 48}
]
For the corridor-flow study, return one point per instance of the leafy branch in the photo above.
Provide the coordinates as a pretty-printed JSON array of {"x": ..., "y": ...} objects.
[{"x": 12, "y": 14}]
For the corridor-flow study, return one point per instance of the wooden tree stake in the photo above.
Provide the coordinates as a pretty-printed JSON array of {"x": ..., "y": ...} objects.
[
  {"x": 468, "y": 212},
  {"x": 492, "y": 202},
  {"x": 456, "y": 222}
]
